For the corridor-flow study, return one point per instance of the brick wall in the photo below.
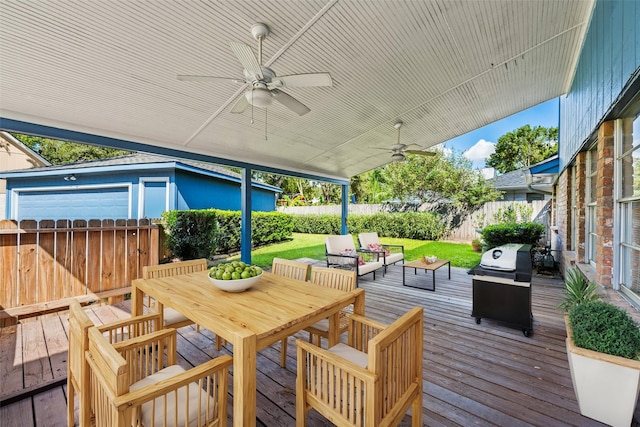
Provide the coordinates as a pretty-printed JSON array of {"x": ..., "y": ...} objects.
[{"x": 604, "y": 206}]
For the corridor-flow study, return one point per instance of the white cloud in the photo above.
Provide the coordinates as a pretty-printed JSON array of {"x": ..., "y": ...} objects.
[{"x": 480, "y": 151}]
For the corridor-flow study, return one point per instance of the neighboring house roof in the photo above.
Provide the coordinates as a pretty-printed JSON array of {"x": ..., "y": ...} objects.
[
  {"x": 6, "y": 136},
  {"x": 537, "y": 177},
  {"x": 137, "y": 161}
]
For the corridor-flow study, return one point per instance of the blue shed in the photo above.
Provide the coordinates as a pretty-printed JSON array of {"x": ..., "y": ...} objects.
[{"x": 133, "y": 186}]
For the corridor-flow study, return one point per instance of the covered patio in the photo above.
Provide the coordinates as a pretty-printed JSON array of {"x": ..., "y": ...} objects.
[{"x": 487, "y": 374}]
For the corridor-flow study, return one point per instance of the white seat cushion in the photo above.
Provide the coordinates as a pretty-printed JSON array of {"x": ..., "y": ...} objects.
[
  {"x": 194, "y": 392},
  {"x": 351, "y": 354},
  {"x": 322, "y": 325},
  {"x": 172, "y": 316},
  {"x": 394, "y": 257},
  {"x": 368, "y": 267}
]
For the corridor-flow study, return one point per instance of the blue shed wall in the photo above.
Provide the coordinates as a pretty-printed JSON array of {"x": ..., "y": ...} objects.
[
  {"x": 46, "y": 196},
  {"x": 610, "y": 56},
  {"x": 198, "y": 192}
]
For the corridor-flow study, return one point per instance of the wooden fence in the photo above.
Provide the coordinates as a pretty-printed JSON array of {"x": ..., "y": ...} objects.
[
  {"x": 48, "y": 260},
  {"x": 464, "y": 232}
]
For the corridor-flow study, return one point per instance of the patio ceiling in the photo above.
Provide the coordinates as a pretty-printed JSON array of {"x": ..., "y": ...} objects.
[{"x": 444, "y": 68}]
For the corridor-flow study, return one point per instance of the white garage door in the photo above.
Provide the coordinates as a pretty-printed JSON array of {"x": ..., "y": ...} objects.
[{"x": 78, "y": 203}]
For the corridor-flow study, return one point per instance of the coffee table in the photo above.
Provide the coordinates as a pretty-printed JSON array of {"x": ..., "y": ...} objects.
[{"x": 420, "y": 264}]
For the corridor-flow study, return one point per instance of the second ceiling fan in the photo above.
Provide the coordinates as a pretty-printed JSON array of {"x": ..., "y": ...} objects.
[
  {"x": 265, "y": 85},
  {"x": 399, "y": 150}
]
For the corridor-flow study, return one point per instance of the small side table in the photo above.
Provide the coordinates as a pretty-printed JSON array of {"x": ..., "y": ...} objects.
[{"x": 420, "y": 264}]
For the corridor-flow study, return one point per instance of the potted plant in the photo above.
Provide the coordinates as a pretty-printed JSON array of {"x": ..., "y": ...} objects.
[
  {"x": 476, "y": 244},
  {"x": 603, "y": 348}
]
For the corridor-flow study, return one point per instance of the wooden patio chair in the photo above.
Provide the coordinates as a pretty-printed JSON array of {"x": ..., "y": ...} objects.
[
  {"x": 77, "y": 373},
  {"x": 130, "y": 387},
  {"x": 294, "y": 270},
  {"x": 341, "y": 252},
  {"x": 391, "y": 254},
  {"x": 373, "y": 381},
  {"x": 172, "y": 318},
  {"x": 335, "y": 278}
]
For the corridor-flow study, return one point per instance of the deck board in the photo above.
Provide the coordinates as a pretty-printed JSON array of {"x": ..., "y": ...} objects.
[{"x": 486, "y": 375}]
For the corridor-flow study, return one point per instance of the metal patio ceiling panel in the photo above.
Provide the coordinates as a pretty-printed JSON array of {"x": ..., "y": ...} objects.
[{"x": 443, "y": 67}]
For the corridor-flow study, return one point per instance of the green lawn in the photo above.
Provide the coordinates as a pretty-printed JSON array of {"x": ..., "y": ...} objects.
[{"x": 312, "y": 246}]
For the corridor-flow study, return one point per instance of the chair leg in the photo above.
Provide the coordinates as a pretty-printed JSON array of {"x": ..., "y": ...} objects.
[
  {"x": 283, "y": 353},
  {"x": 70, "y": 404}
]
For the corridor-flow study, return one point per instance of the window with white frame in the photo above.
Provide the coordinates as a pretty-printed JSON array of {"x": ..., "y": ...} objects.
[
  {"x": 592, "y": 175},
  {"x": 628, "y": 192}
]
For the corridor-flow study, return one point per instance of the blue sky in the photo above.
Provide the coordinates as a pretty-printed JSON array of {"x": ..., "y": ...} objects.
[{"x": 477, "y": 145}]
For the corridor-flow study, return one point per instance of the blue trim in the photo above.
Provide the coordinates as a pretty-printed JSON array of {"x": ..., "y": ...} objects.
[
  {"x": 550, "y": 166},
  {"x": 245, "y": 215},
  {"x": 18, "y": 126},
  {"x": 345, "y": 208}
]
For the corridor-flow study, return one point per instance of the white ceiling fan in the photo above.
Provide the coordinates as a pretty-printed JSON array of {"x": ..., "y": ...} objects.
[
  {"x": 399, "y": 150},
  {"x": 264, "y": 84}
]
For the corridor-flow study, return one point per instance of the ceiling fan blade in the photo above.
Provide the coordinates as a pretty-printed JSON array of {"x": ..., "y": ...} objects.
[
  {"x": 240, "y": 105},
  {"x": 290, "y": 102},
  {"x": 303, "y": 80},
  {"x": 190, "y": 78},
  {"x": 420, "y": 153},
  {"x": 247, "y": 59}
]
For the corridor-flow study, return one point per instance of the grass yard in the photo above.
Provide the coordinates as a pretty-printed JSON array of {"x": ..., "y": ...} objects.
[{"x": 312, "y": 246}]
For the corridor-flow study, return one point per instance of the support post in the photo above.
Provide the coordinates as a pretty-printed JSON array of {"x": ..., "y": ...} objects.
[
  {"x": 345, "y": 208},
  {"x": 245, "y": 221}
]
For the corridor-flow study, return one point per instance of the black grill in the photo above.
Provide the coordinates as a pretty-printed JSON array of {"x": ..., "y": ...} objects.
[{"x": 502, "y": 286}]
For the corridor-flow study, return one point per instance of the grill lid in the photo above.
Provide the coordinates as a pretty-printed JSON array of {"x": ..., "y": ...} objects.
[{"x": 501, "y": 258}]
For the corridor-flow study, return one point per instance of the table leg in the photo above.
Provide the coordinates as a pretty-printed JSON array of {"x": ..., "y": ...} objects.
[
  {"x": 434, "y": 279},
  {"x": 334, "y": 329},
  {"x": 244, "y": 381},
  {"x": 136, "y": 301}
]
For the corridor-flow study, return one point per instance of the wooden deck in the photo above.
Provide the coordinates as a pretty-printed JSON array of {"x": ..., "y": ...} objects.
[{"x": 484, "y": 375}]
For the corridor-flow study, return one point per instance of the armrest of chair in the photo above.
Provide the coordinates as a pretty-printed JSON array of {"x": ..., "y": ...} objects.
[
  {"x": 370, "y": 256},
  {"x": 362, "y": 329},
  {"x": 132, "y": 327},
  {"x": 342, "y": 260},
  {"x": 320, "y": 358},
  {"x": 217, "y": 368},
  {"x": 394, "y": 247}
]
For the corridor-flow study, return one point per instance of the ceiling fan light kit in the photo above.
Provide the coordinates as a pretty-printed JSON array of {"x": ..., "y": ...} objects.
[
  {"x": 397, "y": 157},
  {"x": 259, "y": 97}
]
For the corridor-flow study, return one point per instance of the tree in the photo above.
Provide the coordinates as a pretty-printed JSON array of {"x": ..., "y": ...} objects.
[
  {"x": 62, "y": 152},
  {"x": 439, "y": 178},
  {"x": 523, "y": 147}
]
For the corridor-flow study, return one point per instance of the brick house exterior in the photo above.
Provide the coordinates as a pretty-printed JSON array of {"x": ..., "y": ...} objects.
[{"x": 596, "y": 197}]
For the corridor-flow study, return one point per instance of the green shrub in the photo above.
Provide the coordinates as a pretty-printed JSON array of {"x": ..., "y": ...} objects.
[
  {"x": 501, "y": 234},
  {"x": 191, "y": 234},
  {"x": 410, "y": 225},
  {"x": 605, "y": 328},
  {"x": 577, "y": 289},
  {"x": 183, "y": 241}
]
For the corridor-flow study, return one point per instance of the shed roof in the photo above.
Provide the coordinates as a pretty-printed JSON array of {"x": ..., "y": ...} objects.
[{"x": 137, "y": 161}]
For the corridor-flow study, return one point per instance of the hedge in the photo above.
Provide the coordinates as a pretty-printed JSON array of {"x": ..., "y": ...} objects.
[
  {"x": 203, "y": 233},
  {"x": 524, "y": 232},
  {"x": 409, "y": 225}
]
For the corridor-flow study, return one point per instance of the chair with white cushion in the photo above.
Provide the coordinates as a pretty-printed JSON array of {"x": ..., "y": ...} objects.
[
  {"x": 334, "y": 278},
  {"x": 134, "y": 384},
  {"x": 294, "y": 270},
  {"x": 77, "y": 371},
  {"x": 391, "y": 254},
  {"x": 342, "y": 253},
  {"x": 171, "y": 317},
  {"x": 373, "y": 381}
]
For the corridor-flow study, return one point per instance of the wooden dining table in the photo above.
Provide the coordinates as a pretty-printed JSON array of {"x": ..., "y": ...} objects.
[{"x": 274, "y": 308}]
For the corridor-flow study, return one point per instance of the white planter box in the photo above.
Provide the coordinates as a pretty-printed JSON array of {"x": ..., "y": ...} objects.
[{"x": 606, "y": 386}]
